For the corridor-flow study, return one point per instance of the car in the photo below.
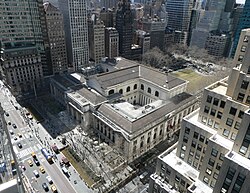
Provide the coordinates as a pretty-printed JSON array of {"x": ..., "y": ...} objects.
[
  {"x": 9, "y": 123},
  {"x": 36, "y": 161},
  {"x": 19, "y": 135},
  {"x": 15, "y": 138},
  {"x": 143, "y": 175},
  {"x": 30, "y": 163},
  {"x": 14, "y": 126},
  {"x": 42, "y": 170},
  {"x": 35, "y": 172},
  {"x": 49, "y": 179},
  {"x": 53, "y": 188},
  {"x": 22, "y": 167},
  {"x": 11, "y": 132},
  {"x": 7, "y": 114},
  {"x": 45, "y": 187},
  {"x": 20, "y": 145}
]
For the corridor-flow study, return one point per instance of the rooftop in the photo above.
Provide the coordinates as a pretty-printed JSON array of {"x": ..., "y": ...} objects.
[
  {"x": 199, "y": 187},
  {"x": 237, "y": 158},
  {"x": 222, "y": 141},
  {"x": 180, "y": 166}
]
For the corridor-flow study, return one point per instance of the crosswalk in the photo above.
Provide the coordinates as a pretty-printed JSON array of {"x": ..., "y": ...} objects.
[{"x": 27, "y": 151}]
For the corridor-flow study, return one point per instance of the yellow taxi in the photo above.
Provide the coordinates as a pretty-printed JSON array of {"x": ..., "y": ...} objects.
[
  {"x": 19, "y": 135},
  {"x": 42, "y": 170},
  {"x": 53, "y": 188},
  {"x": 30, "y": 163}
]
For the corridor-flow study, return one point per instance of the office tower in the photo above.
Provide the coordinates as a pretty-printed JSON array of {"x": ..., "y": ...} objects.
[
  {"x": 156, "y": 28},
  {"x": 179, "y": 15},
  {"x": 108, "y": 3},
  {"x": 124, "y": 28},
  {"x": 243, "y": 23},
  {"x": 111, "y": 42},
  {"x": 24, "y": 45},
  {"x": 10, "y": 178},
  {"x": 108, "y": 17},
  {"x": 142, "y": 39},
  {"x": 96, "y": 33},
  {"x": 55, "y": 28},
  {"x": 236, "y": 17},
  {"x": 212, "y": 154},
  {"x": 76, "y": 31},
  {"x": 215, "y": 22}
]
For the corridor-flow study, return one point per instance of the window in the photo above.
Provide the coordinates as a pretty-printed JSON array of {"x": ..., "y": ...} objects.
[
  {"x": 206, "y": 180},
  {"x": 121, "y": 91},
  {"x": 199, "y": 147},
  {"x": 226, "y": 132},
  {"x": 245, "y": 39},
  {"x": 240, "y": 58},
  {"x": 214, "y": 152},
  {"x": 211, "y": 162},
  {"x": 209, "y": 99},
  {"x": 229, "y": 122},
  {"x": 183, "y": 147},
  {"x": 222, "y": 104},
  {"x": 135, "y": 86},
  {"x": 248, "y": 99},
  {"x": 219, "y": 115},
  {"x": 208, "y": 171},
  {"x": 238, "y": 183},
  {"x": 233, "y": 136},
  {"x": 193, "y": 144},
  {"x": 197, "y": 156},
  {"x": 156, "y": 93},
  {"x": 221, "y": 156},
  {"x": 218, "y": 166},
  {"x": 240, "y": 115},
  {"x": 216, "y": 102},
  {"x": 177, "y": 178},
  {"x": 196, "y": 135},
  {"x": 202, "y": 138},
  {"x": 149, "y": 90},
  {"x": 185, "y": 139},
  {"x": 191, "y": 153},
  {"x": 204, "y": 119},
  {"x": 237, "y": 125},
  {"x": 128, "y": 88},
  {"x": 243, "y": 48},
  {"x": 216, "y": 125},
  {"x": 187, "y": 130},
  {"x": 244, "y": 84},
  {"x": 142, "y": 87},
  {"x": 215, "y": 176},
  {"x": 111, "y": 92},
  {"x": 243, "y": 149},
  {"x": 206, "y": 109},
  {"x": 240, "y": 97},
  {"x": 213, "y": 111},
  {"x": 233, "y": 111}
]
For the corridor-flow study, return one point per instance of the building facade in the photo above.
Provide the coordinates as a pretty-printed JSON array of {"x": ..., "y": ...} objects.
[
  {"x": 111, "y": 42},
  {"x": 131, "y": 107},
  {"x": 24, "y": 45},
  {"x": 57, "y": 42},
  {"x": 76, "y": 31},
  {"x": 124, "y": 27},
  {"x": 212, "y": 154},
  {"x": 244, "y": 22},
  {"x": 96, "y": 33}
]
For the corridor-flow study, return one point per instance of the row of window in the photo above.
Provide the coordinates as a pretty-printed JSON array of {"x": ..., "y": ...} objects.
[{"x": 241, "y": 97}]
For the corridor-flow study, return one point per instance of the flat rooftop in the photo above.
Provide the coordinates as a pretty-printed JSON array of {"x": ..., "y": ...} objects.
[
  {"x": 199, "y": 187},
  {"x": 222, "y": 141},
  {"x": 180, "y": 166},
  {"x": 239, "y": 159}
]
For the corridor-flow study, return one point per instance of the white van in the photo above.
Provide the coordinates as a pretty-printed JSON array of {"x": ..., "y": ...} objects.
[{"x": 64, "y": 169}]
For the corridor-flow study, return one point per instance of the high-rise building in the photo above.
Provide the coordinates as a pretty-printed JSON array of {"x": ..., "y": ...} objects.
[
  {"x": 76, "y": 31},
  {"x": 57, "y": 42},
  {"x": 111, "y": 42},
  {"x": 124, "y": 28},
  {"x": 96, "y": 33},
  {"x": 212, "y": 154},
  {"x": 142, "y": 39},
  {"x": 243, "y": 23},
  {"x": 24, "y": 45},
  {"x": 108, "y": 17},
  {"x": 179, "y": 15}
]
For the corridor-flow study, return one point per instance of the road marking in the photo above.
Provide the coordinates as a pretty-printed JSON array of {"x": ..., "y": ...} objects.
[{"x": 39, "y": 146}]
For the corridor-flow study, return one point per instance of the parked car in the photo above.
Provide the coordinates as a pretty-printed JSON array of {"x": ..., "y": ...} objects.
[
  {"x": 20, "y": 145},
  {"x": 30, "y": 163},
  {"x": 35, "y": 172},
  {"x": 45, "y": 187},
  {"x": 49, "y": 179},
  {"x": 14, "y": 126}
]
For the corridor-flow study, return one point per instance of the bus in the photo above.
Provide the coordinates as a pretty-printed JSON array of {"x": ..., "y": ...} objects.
[{"x": 46, "y": 154}]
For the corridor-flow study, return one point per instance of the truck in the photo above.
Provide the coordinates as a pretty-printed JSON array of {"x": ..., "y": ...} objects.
[{"x": 46, "y": 154}]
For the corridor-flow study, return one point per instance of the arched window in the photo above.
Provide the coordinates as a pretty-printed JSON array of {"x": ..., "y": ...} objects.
[
  {"x": 128, "y": 88},
  {"x": 111, "y": 91},
  {"x": 156, "y": 93},
  {"x": 121, "y": 91},
  {"x": 142, "y": 87},
  {"x": 135, "y": 86},
  {"x": 149, "y": 90}
]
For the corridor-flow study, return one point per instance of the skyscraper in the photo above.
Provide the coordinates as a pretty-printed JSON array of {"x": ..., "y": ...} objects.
[
  {"x": 76, "y": 31},
  {"x": 243, "y": 23},
  {"x": 56, "y": 34},
  {"x": 212, "y": 154},
  {"x": 96, "y": 39},
  {"x": 124, "y": 28},
  {"x": 179, "y": 15},
  {"x": 24, "y": 44},
  {"x": 111, "y": 42}
]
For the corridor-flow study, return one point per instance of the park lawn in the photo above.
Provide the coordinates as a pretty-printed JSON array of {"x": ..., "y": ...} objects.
[
  {"x": 196, "y": 80},
  {"x": 84, "y": 175}
]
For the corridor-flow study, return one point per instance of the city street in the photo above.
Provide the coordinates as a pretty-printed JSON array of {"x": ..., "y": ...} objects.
[{"x": 24, "y": 143}]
